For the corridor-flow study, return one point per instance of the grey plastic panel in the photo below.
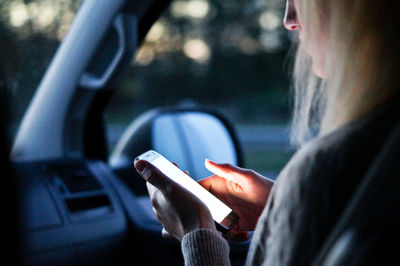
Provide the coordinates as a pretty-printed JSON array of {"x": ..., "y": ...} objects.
[
  {"x": 91, "y": 81},
  {"x": 37, "y": 208}
]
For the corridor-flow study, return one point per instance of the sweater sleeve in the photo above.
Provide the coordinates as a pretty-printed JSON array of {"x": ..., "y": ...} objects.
[{"x": 204, "y": 247}]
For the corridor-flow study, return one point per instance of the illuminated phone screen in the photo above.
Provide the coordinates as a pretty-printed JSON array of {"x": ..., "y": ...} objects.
[{"x": 218, "y": 209}]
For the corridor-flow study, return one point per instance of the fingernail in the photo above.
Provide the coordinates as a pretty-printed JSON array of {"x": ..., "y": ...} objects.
[
  {"x": 209, "y": 161},
  {"x": 206, "y": 162}
]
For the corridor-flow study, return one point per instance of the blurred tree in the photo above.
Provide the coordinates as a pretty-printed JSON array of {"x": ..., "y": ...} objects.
[{"x": 223, "y": 53}]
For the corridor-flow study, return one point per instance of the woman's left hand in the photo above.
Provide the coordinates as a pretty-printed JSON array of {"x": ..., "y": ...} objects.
[{"x": 177, "y": 209}]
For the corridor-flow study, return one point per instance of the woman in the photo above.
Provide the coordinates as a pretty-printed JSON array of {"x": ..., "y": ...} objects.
[{"x": 346, "y": 89}]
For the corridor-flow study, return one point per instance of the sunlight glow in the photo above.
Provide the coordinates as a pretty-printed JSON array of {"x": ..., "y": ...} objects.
[
  {"x": 197, "y": 50},
  {"x": 46, "y": 16},
  {"x": 33, "y": 8},
  {"x": 269, "y": 21},
  {"x": 18, "y": 14},
  {"x": 145, "y": 56},
  {"x": 156, "y": 32},
  {"x": 42, "y": 14},
  {"x": 196, "y": 9}
]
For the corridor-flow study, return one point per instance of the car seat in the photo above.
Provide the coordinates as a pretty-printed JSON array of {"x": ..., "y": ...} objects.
[{"x": 369, "y": 229}]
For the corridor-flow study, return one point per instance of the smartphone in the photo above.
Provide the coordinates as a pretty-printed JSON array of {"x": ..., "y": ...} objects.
[{"x": 223, "y": 216}]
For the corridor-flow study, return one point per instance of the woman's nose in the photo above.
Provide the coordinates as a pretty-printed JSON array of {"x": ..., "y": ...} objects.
[{"x": 290, "y": 21}]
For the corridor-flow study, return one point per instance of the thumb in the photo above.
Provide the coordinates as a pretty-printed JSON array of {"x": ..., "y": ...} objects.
[
  {"x": 228, "y": 171},
  {"x": 152, "y": 175}
]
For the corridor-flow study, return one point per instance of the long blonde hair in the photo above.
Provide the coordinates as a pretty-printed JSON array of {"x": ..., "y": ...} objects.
[{"x": 362, "y": 65}]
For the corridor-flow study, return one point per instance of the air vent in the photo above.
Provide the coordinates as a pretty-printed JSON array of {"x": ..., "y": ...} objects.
[
  {"x": 76, "y": 205},
  {"x": 83, "y": 195},
  {"x": 79, "y": 181},
  {"x": 73, "y": 177}
]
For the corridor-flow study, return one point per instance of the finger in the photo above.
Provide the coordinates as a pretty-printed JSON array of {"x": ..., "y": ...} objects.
[
  {"x": 237, "y": 236},
  {"x": 157, "y": 215},
  {"x": 165, "y": 234},
  {"x": 152, "y": 175},
  {"x": 157, "y": 198},
  {"x": 208, "y": 182},
  {"x": 151, "y": 190},
  {"x": 228, "y": 171}
]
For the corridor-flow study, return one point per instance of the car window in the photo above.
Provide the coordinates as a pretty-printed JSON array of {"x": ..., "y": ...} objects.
[
  {"x": 30, "y": 32},
  {"x": 228, "y": 55}
]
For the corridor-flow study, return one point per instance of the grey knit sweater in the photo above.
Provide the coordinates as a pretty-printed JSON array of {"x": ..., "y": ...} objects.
[{"x": 308, "y": 198}]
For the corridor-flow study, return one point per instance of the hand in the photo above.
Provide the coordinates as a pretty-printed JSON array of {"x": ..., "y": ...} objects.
[
  {"x": 177, "y": 209},
  {"x": 245, "y": 191}
]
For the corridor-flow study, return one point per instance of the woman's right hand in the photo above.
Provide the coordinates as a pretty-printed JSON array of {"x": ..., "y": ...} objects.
[{"x": 244, "y": 190}]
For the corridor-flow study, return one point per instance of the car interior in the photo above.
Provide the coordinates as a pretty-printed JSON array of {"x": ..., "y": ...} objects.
[{"x": 77, "y": 205}]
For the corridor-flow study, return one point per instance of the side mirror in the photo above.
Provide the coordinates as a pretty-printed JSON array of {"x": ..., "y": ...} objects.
[{"x": 184, "y": 136}]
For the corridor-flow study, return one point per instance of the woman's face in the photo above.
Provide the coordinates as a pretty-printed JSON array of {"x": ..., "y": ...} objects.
[{"x": 314, "y": 45}]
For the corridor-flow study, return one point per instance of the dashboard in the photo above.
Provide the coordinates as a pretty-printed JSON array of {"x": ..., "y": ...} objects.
[{"x": 72, "y": 212}]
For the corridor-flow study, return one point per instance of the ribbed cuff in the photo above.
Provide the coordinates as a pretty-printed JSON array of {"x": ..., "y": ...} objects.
[{"x": 204, "y": 247}]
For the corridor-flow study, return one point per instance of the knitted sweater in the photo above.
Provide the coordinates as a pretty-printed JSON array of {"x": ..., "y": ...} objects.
[{"x": 308, "y": 198}]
